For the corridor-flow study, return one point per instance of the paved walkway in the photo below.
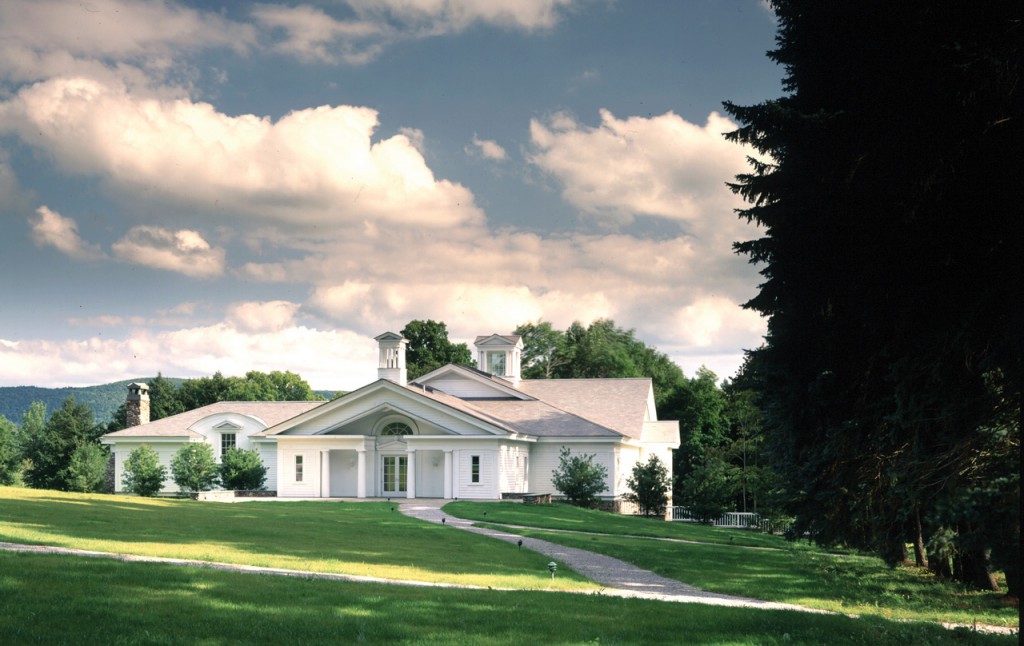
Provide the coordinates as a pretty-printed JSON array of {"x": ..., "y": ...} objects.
[{"x": 623, "y": 579}]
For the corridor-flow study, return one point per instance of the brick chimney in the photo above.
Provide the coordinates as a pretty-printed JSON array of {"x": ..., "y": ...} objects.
[{"x": 137, "y": 405}]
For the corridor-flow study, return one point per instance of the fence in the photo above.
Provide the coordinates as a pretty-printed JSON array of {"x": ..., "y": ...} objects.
[{"x": 737, "y": 520}]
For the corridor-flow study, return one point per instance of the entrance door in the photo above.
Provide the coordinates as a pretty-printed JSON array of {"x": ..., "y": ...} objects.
[{"x": 395, "y": 472}]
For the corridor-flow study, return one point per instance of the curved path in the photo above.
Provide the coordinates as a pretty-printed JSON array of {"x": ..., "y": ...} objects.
[{"x": 623, "y": 579}]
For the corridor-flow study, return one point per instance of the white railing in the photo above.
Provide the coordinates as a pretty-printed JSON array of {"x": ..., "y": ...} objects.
[{"x": 735, "y": 520}]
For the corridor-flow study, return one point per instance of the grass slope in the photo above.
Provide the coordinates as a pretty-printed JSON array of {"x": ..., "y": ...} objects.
[
  {"x": 74, "y": 600},
  {"x": 366, "y": 539},
  {"x": 799, "y": 574},
  {"x": 568, "y": 517}
]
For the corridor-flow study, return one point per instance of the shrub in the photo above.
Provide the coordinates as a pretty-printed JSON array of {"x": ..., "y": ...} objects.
[
  {"x": 578, "y": 478},
  {"x": 143, "y": 473},
  {"x": 193, "y": 468},
  {"x": 648, "y": 487},
  {"x": 242, "y": 470}
]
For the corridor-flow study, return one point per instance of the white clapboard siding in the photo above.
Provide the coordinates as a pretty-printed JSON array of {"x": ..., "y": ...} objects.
[{"x": 544, "y": 460}]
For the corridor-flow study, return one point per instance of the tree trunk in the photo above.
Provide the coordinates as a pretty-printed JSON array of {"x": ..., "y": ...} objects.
[
  {"x": 972, "y": 568},
  {"x": 939, "y": 565},
  {"x": 920, "y": 556}
]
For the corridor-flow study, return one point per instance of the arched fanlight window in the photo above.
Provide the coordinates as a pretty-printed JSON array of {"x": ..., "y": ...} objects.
[{"x": 396, "y": 428}]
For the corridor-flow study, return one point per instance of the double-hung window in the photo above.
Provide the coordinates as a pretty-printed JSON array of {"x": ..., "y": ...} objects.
[
  {"x": 227, "y": 442},
  {"x": 298, "y": 468},
  {"x": 474, "y": 469}
]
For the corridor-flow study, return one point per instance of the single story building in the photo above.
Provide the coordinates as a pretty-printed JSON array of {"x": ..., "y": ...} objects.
[{"x": 457, "y": 432}]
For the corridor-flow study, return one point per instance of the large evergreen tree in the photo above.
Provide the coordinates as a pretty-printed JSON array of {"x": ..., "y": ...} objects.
[
  {"x": 64, "y": 454},
  {"x": 889, "y": 192}
]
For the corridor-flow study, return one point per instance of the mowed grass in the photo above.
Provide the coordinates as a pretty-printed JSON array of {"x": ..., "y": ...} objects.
[
  {"x": 367, "y": 539},
  {"x": 49, "y": 599},
  {"x": 568, "y": 517},
  {"x": 802, "y": 575}
]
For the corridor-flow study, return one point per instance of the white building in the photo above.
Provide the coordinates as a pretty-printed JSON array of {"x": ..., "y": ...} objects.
[{"x": 457, "y": 432}]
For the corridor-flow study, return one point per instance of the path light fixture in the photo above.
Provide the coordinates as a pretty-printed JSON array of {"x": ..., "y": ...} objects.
[
  {"x": 520, "y": 543},
  {"x": 552, "y": 566},
  {"x": 442, "y": 521}
]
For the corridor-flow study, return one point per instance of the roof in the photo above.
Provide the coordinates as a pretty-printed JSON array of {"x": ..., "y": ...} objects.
[
  {"x": 618, "y": 404},
  {"x": 270, "y": 413},
  {"x": 537, "y": 418},
  {"x": 511, "y": 339}
]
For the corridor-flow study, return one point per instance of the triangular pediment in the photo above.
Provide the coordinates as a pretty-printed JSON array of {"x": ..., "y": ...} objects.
[
  {"x": 361, "y": 411},
  {"x": 499, "y": 340}
]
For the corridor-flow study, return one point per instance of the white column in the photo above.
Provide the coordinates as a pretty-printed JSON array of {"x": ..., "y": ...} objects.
[
  {"x": 448, "y": 475},
  {"x": 361, "y": 473},
  {"x": 410, "y": 485},
  {"x": 325, "y": 474}
]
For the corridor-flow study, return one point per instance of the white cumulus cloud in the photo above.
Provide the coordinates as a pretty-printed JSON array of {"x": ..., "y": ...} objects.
[
  {"x": 52, "y": 229},
  {"x": 487, "y": 149},
  {"x": 316, "y": 166},
  {"x": 265, "y": 316},
  {"x": 185, "y": 252},
  {"x": 661, "y": 166}
]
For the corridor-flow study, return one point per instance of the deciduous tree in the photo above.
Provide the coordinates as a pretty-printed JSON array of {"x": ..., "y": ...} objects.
[
  {"x": 10, "y": 452},
  {"x": 649, "y": 486},
  {"x": 194, "y": 468},
  {"x": 429, "y": 348}
]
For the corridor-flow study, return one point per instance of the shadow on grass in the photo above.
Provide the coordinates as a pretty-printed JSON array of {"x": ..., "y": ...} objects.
[
  {"x": 858, "y": 584},
  {"x": 355, "y": 538},
  {"x": 83, "y": 601}
]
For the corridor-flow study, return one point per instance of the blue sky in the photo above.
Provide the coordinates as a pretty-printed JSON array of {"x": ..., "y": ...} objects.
[{"x": 188, "y": 187}]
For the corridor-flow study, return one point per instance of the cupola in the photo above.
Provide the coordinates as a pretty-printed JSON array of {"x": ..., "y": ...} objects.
[
  {"x": 391, "y": 357},
  {"x": 500, "y": 355}
]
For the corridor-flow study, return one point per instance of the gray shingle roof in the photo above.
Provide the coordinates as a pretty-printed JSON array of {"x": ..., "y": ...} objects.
[
  {"x": 177, "y": 425},
  {"x": 537, "y": 418},
  {"x": 618, "y": 404}
]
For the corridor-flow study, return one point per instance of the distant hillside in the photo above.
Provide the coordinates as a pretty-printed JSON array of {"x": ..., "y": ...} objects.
[{"x": 103, "y": 399}]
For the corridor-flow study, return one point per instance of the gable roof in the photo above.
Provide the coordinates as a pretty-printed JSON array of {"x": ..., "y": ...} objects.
[
  {"x": 501, "y": 386},
  {"x": 270, "y": 413},
  {"x": 618, "y": 404}
]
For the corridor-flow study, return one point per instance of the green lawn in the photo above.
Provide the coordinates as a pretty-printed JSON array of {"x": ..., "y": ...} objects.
[
  {"x": 563, "y": 516},
  {"x": 803, "y": 575},
  {"x": 49, "y": 599},
  {"x": 365, "y": 539}
]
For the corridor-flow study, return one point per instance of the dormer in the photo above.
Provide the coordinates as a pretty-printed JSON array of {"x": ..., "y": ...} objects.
[
  {"x": 500, "y": 355},
  {"x": 391, "y": 357}
]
